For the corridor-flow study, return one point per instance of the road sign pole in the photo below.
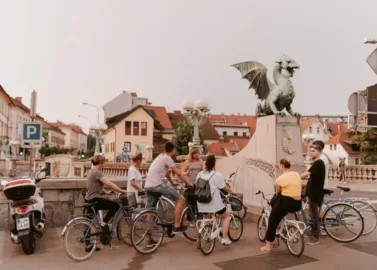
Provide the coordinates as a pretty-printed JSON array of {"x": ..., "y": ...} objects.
[{"x": 33, "y": 115}]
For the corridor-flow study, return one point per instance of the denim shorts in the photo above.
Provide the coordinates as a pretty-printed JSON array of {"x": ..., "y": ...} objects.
[{"x": 154, "y": 193}]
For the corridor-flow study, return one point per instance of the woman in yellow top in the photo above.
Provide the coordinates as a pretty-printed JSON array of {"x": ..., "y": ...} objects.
[{"x": 288, "y": 190}]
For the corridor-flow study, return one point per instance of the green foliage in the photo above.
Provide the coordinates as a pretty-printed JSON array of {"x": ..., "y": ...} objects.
[
  {"x": 48, "y": 151},
  {"x": 368, "y": 146},
  {"x": 184, "y": 134}
]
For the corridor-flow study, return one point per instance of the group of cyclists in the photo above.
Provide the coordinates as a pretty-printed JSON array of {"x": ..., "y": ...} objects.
[{"x": 287, "y": 198}]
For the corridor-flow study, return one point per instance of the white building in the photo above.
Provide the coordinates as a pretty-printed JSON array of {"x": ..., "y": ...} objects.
[
  {"x": 341, "y": 146},
  {"x": 233, "y": 130},
  {"x": 315, "y": 127},
  {"x": 123, "y": 103}
]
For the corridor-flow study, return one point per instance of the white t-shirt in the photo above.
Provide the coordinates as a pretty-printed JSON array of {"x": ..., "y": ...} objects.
[
  {"x": 157, "y": 170},
  {"x": 327, "y": 164},
  {"x": 216, "y": 182},
  {"x": 133, "y": 174}
]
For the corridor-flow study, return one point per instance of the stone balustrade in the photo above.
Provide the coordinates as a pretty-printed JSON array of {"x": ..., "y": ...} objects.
[{"x": 356, "y": 174}]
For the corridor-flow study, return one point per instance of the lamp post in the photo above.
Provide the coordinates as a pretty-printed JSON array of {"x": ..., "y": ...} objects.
[
  {"x": 81, "y": 116},
  {"x": 196, "y": 115},
  {"x": 370, "y": 41},
  {"x": 90, "y": 122},
  {"x": 91, "y": 105},
  {"x": 308, "y": 139}
]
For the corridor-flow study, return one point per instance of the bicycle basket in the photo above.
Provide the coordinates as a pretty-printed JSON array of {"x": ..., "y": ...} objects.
[
  {"x": 236, "y": 205},
  {"x": 190, "y": 196},
  {"x": 128, "y": 199}
]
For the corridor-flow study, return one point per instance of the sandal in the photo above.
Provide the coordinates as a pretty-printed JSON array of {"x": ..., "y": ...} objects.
[{"x": 263, "y": 249}]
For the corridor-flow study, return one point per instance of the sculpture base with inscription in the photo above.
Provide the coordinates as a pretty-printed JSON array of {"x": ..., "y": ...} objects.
[{"x": 257, "y": 165}]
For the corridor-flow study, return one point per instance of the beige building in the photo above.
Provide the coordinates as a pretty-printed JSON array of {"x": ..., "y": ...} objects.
[
  {"x": 129, "y": 129},
  {"x": 55, "y": 135},
  {"x": 6, "y": 104},
  {"x": 71, "y": 138}
]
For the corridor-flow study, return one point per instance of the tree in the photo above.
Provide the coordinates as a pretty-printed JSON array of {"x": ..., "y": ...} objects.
[
  {"x": 184, "y": 134},
  {"x": 368, "y": 146}
]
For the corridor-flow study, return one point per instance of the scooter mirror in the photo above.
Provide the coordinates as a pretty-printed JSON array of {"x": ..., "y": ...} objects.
[{"x": 3, "y": 183}]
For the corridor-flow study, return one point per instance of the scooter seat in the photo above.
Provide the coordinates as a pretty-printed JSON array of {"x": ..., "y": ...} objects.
[{"x": 89, "y": 205}]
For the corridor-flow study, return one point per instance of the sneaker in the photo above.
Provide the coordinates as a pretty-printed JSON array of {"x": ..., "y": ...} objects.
[
  {"x": 151, "y": 243},
  {"x": 313, "y": 241},
  {"x": 89, "y": 249},
  {"x": 181, "y": 229},
  {"x": 323, "y": 233},
  {"x": 226, "y": 242}
]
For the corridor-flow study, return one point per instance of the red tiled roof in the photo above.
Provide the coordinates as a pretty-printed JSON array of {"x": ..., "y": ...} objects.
[
  {"x": 236, "y": 120},
  {"x": 46, "y": 125},
  {"x": 337, "y": 127},
  {"x": 241, "y": 141},
  {"x": 60, "y": 124},
  {"x": 161, "y": 115},
  {"x": 217, "y": 117},
  {"x": 305, "y": 123},
  {"x": 343, "y": 139},
  {"x": 218, "y": 148}
]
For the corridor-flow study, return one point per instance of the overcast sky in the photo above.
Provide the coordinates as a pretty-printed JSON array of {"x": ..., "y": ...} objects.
[{"x": 76, "y": 51}]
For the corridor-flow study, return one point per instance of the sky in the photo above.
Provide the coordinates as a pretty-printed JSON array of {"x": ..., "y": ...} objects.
[{"x": 76, "y": 51}]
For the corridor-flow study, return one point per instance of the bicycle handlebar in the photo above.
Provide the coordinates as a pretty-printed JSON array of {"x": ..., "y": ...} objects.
[{"x": 261, "y": 192}]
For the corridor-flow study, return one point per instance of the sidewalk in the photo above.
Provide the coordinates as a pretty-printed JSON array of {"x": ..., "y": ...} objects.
[{"x": 355, "y": 187}]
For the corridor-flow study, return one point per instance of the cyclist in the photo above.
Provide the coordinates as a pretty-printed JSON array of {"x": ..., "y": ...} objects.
[
  {"x": 216, "y": 205},
  {"x": 95, "y": 192},
  {"x": 325, "y": 160},
  {"x": 134, "y": 177},
  {"x": 155, "y": 187},
  {"x": 288, "y": 192}
]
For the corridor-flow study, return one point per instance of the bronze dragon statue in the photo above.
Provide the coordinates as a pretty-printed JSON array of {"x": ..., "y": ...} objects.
[{"x": 275, "y": 97}]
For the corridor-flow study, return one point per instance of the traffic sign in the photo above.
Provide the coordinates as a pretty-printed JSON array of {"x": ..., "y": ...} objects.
[
  {"x": 357, "y": 103},
  {"x": 31, "y": 135},
  {"x": 372, "y": 60}
]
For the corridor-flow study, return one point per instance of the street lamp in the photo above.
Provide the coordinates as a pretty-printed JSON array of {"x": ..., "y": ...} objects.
[
  {"x": 91, "y": 105},
  {"x": 81, "y": 116},
  {"x": 308, "y": 139},
  {"x": 370, "y": 41},
  {"x": 196, "y": 115},
  {"x": 98, "y": 130}
]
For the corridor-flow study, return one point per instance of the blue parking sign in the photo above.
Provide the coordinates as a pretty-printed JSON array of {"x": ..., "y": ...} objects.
[{"x": 32, "y": 132}]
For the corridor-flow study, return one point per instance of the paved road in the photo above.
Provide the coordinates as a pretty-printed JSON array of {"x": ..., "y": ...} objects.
[{"x": 178, "y": 253}]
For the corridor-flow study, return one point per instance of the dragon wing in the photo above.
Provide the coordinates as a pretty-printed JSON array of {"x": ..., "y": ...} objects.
[{"x": 256, "y": 74}]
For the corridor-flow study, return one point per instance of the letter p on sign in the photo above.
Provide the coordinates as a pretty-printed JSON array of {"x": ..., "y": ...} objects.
[{"x": 30, "y": 130}]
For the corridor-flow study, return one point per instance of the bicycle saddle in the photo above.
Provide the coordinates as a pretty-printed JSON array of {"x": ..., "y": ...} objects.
[
  {"x": 346, "y": 189},
  {"x": 328, "y": 191}
]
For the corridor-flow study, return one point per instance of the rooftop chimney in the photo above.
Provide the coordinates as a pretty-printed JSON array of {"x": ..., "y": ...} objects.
[
  {"x": 133, "y": 94},
  {"x": 177, "y": 112},
  {"x": 19, "y": 99}
]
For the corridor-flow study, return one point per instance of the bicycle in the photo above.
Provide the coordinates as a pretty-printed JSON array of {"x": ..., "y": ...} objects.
[
  {"x": 238, "y": 206},
  {"x": 210, "y": 228},
  {"x": 160, "y": 221},
  {"x": 333, "y": 221},
  {"x": 290, "y": 232},
  {"x": 91, "y": 233}
]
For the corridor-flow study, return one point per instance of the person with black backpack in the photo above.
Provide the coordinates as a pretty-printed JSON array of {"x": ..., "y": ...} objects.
[{"x": 207, "y": 192}]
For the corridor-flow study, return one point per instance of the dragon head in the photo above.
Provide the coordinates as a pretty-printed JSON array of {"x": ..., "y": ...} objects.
[{"x": 287, "y": 66}]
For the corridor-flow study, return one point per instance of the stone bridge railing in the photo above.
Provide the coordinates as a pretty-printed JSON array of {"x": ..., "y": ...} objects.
[{"x": 356, "y": 174}]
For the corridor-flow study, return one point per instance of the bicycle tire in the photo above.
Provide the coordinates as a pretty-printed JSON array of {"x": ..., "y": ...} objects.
[
  {"x": 301, "y": 238},
  {"x": 368, "y": 213},
  {"x": 329, "y": 232},
  {"x": 128, "y": 222},
  {"x": 205, "y": 233},
  {"x": 138, "y": 219},
  {"x": 89, "y": 224},
  {"x": 235, "y": 220},
  {"x": 193, "y": 237},
  {"x": 262, "y": 218}
]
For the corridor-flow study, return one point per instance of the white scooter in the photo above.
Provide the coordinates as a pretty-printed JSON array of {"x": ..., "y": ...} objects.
[{"x": 26, "y": 218}]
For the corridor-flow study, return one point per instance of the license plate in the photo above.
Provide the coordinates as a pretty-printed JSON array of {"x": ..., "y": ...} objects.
[{"x": 23, "y": 223}]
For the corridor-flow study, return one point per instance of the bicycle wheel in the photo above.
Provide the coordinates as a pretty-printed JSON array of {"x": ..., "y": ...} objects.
[
  {"x": 369, "y": 215},
  {"x": 124, "y": 227},
  {"x": 262, "y": 227},
  {"x": 343, "y": 222},
  {"x": 189, "y": 218},
  {"x": 205, "y": 243},
  {"x": 237, "y": 204},
  {"x": 167, "y": 209},
  {"x": 295, "y": 240},
  {"x": 147, "y": 232},
  {"x": 235, "y": 228},
  {"x": 85, "y": 237}
]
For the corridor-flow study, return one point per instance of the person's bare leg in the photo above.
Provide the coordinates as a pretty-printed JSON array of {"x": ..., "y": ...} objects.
[
  {"x": 178, "y": 212},
  {"x": 225, "y": 224}
]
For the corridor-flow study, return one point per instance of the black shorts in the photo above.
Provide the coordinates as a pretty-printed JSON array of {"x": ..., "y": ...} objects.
[{"x": 222, "y": 211}]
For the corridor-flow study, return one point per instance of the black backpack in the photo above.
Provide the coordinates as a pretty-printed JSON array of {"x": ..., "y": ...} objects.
[{"x": 202, "y": 190}]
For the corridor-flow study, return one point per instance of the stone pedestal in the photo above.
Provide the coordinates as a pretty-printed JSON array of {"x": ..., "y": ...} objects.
[{"x": 257, "y": 165}]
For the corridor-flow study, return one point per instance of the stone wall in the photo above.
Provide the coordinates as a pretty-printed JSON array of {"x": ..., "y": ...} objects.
[{"x": 62, "y": 199}]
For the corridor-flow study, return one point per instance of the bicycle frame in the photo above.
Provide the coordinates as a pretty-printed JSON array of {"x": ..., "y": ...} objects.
[{"x": 216, "y": 229}]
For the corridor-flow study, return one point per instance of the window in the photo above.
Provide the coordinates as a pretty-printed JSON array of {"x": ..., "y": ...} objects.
[
  {"x": 235, "y": 133},
  {"x": 334, "y": 146},
  {"x": 128, "y": 128},
  {"x": 310, "y": 130},
  {"x": 128, "y": 146},
  {"x": 244, "y": 134},
  {"x": 357, "y": 161},
  {"x": 317, "y": 130},
  {"x": 143, "y": 128},
  {"x": 225, "y": 133},
  {"x": 330, "y": 146},
  {"x": 136, "y": 129}
]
